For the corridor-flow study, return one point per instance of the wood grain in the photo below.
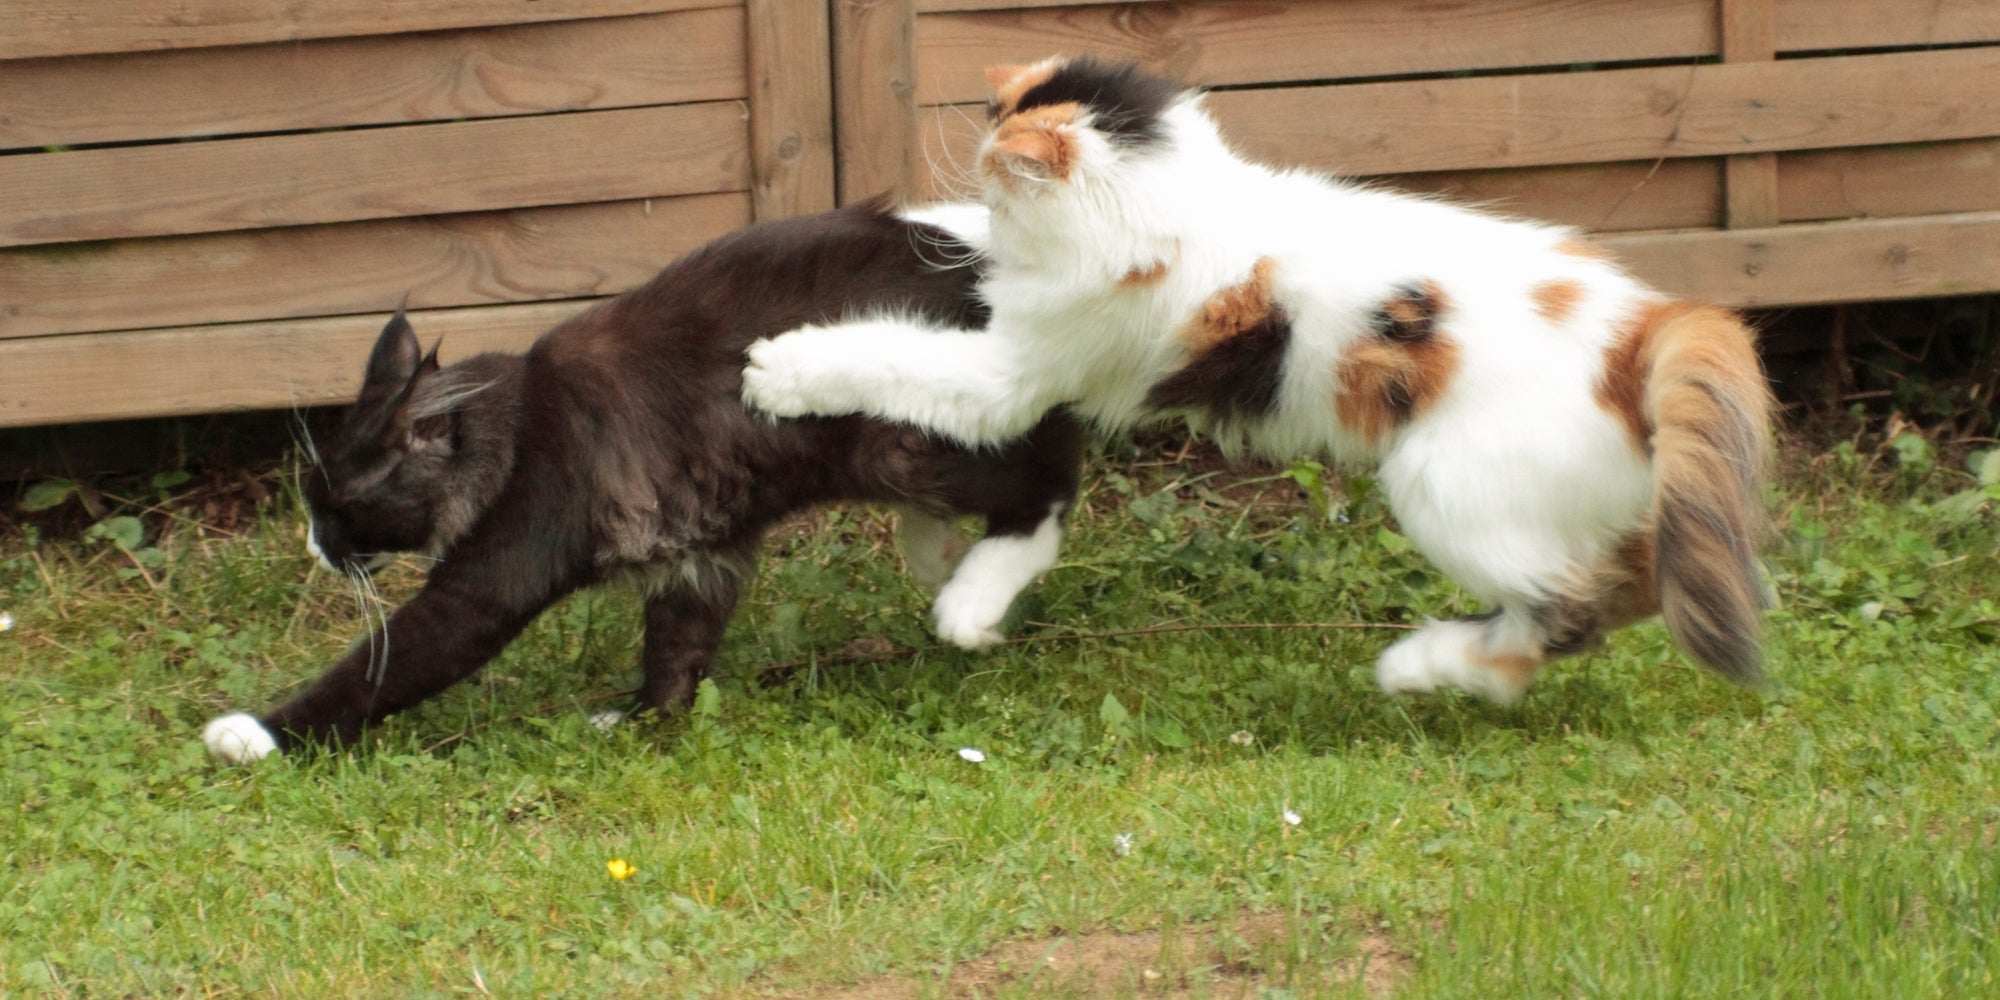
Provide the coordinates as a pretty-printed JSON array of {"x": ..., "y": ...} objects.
[
  {"x": 1827, "y": 25},
  {"x": 1291, "y": 40},
  {"x": 373, "y": 173},
  {"x": 791, "y": 108},
  {"x": 1822, "y": 262},
  {"x": 524, "y": 69},
  {"x": 39, "y": 28},
  {"x": 1926, "y": 179},
  {"x": 874, "y": 110},
  {"x": 486, "y": 258},
  {"x": 1627, "y": 114},
  {"x": 1750, "y": 181},
  {"x": 209, "y": 369}
]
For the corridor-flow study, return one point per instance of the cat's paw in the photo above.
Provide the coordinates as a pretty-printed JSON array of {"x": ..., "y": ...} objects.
[
  {"x": 238, "y": 739},
  {"x": 970, "y": 617},
  {"x": 606, "y": 720},
  {"x": 797, "y": 375},
  {"x": 1441, "y": 655}
]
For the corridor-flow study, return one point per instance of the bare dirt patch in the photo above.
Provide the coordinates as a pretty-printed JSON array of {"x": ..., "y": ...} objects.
[{"x": 1235, "y": 960}]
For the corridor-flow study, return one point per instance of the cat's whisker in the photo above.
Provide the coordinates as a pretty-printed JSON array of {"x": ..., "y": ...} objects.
[{"x": 957, "y": 180}]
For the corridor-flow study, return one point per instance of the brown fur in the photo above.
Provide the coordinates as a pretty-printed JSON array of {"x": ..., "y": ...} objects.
[
  {"x": 1387, "y": 380},
  {"x": 1037, "y": 135},
  {"x": 1582, "y": 249},
  {"x": 1555, "y": 300},
  {"x": 1009, "y": 83},
  {"x": 1145, "y": 277},
  {"x": 1685, "y": 381},
  {"x": 1232, "y": 310}
]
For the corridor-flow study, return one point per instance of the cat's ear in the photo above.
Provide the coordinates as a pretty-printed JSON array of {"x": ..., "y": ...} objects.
[
  {"x": 394, "y": 362},
  {"x": 437, "y": 425},
  {"x": 1037, "y": 154},
  {"x": 1000, "y": 76}
]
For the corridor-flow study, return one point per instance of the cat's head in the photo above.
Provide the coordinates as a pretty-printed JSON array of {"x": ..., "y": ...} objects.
[
  {"x": 1073, "y": 124},
  {"x": 417, "y": 458}
]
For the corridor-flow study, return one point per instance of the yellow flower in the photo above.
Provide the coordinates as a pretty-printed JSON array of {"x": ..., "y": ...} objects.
[{"x": 619, "y": 869}]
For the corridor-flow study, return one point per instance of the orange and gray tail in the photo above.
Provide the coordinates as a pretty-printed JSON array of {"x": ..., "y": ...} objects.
[{"x": 1706, "y": 404}]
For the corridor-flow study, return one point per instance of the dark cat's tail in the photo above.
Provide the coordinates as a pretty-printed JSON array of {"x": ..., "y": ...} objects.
[{"x": 1703, "y": 398}]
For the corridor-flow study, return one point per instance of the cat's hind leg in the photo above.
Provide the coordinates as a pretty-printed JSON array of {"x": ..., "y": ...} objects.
[
  {"x": 932, "y": 546},
  {"x": 994, "y": 571}
]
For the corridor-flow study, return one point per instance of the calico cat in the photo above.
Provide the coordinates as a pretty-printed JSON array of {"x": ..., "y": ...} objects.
[
  {"x": 618, "y": 445},
  {"x": 1576, "y": 449}
]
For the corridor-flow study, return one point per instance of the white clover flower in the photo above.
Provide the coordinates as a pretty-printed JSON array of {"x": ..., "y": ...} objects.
[
  {"x": 1292, "y": 818},
  {"x": 1122, "y": 844},
  {"x": 1242, "y": 738},
  {"x": 972, "y": 754}
]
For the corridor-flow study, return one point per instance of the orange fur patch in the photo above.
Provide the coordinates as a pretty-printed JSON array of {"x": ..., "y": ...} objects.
[
  {"x": 1037, "y": 135},
  {"x": 1621, "y": 389},
  {"x": 1555, "y": 300},
  {"x": 1233, "y": 310},
  {"x": 1011, "y": 83},
  {"x": 1141, "y": 277},
  {"x": 1386, "y": 380},
  {"x": 1583, "y": 249}
]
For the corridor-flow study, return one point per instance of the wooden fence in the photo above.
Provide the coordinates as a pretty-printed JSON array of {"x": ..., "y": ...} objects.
[{"x": 210, "y": 204}]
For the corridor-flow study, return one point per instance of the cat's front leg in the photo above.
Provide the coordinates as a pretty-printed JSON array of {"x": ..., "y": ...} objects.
[
  {"x": 966, "y": 385},
  {"x": 438, "y": 638},
  {"x": 686, "y": 615}
]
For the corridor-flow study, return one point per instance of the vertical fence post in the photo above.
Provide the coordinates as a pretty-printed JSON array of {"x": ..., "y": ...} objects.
[
  {"x": 1750, "y": 180},
  {"x": 791, "y": 108},
  {"x": 875, "y": 110}
]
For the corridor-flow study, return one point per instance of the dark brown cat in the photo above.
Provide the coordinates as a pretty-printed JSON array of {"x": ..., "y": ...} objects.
[{"x": 617, "y": 444}]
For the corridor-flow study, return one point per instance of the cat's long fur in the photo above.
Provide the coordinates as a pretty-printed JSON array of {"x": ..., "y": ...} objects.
[
  {"x": 618, "y": 446},
  {"x": 1573, "y": 447}
]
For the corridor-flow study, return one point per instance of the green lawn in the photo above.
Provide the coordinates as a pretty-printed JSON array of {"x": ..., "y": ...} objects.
[{"x": 1636, "y": 828}]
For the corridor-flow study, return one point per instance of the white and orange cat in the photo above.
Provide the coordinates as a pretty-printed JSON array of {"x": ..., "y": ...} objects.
[{"x": 1573, "y": 447}]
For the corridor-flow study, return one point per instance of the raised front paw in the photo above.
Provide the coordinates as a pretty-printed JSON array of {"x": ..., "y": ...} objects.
[
  {"x": 798, "y": 374},
  {"x": 238, "y": 739}
]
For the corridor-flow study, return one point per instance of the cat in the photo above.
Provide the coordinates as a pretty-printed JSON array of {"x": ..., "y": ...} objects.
[
  {"x": 1574, "y": 448},
  {"x": 618, "y": 446}
]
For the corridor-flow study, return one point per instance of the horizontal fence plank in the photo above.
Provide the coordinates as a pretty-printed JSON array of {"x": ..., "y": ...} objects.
[
  {"x": 1674, "y": 194},
  {"x": 1821, "y": 262},
  {"x": 485, "y": 258},
  {"x": 209, "y": 369},
  {"x": 1625, "y": 114},
  {"x": 373, "y": 173},
  {"x": 1926, "y": 179},
  {"x": 1822, "y": 25},
  {"x": 1289, "y": 40},
  {"x": 39, "y": 28},
  {"x": 525, "y": 69},
  {"x": 1669, "y": 194},
  {"x": 946, "y": 6}
]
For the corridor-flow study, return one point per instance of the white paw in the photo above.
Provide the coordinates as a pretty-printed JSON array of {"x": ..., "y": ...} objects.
[
  {"x": 797, "y": 375},
  {"x": 238, "y": 739},
  {"x": 1449, "y": 655},
  {"x": 969, "y": 620},
  {"x": 603, "y": 721}
]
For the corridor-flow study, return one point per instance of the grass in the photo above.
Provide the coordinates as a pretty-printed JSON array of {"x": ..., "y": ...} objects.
[{"x": 1635, "y": 828}]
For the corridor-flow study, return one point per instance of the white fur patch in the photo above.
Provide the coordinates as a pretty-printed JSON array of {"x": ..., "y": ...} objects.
[
  {"x": 313, "y": 549},
  {"x": 1444, "y": 654},
  {"x": 971, "y": 606},
  {"x": 238, "y": 738},
  {"x": 605, "y": 720}
]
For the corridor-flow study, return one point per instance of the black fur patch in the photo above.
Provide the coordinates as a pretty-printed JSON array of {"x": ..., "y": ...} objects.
[
  {"x": 1126, "y": 101},
  {"x": 1238, "y": 377},
  {"x": 1411, "y": 315}
]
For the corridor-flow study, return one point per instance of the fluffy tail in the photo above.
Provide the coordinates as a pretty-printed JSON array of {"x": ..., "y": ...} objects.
[{"x": 1709, "y": 412}]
